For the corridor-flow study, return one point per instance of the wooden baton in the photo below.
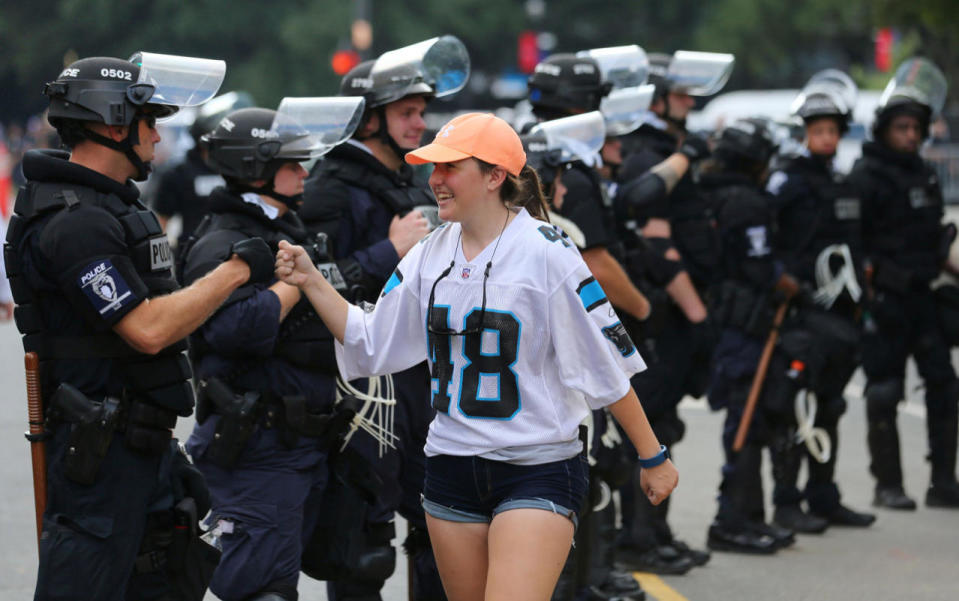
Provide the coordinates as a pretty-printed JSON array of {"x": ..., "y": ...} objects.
[
  {"x": 37, "y": 447},
  {"x": 759, "y": 378}
]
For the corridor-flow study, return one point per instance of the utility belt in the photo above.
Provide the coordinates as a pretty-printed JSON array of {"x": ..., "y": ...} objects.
[
  {"x": 147, "y": 428},
  {"x": 740, "y": 307},
  {"x": 241, "y": 413}
]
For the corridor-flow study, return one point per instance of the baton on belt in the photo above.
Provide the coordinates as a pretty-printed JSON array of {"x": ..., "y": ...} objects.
[
  {"x": 759, "y": 378},
  {"x": 36, "y": 437}
]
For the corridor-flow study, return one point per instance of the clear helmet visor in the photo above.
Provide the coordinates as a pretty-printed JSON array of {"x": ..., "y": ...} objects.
[
  {"x": 699, "y": 73},
  {"x": 625, "y": 109},
  {"x": 621, "y": 66},
  {"x": 442, "y": 63},
  {"x": 822, "y": 98},
  {"x": 916, "y": 80},
  {"x": 576, "y": 138},
  {"x": 309, "y": 127},
  {"x": 839, "y": 82},
  {"x": 179, "y": 80}
]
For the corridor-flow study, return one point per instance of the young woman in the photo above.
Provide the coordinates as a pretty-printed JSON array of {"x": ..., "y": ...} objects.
[{"x": 521, "y": 341}]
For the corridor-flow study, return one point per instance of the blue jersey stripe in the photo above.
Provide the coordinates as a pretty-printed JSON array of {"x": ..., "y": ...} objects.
[
  {"x": 591, "y": 293},
  {"x": 393, "y": 282}
]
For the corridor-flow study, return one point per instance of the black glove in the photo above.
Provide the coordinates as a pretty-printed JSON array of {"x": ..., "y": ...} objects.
[
  {"x": 257, "y": 254},
  {"x": 695, "y": 148},
  {"x": 187, "y": 481}
]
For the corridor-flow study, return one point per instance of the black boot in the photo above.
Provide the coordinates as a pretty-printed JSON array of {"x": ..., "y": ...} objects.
[
  {"x": 784, "y": 537},
  {"x": 699, "y": 557},
  {"x": 893, "y": 497},
  {"x": 727, "y": 537},
  {"x": 841, "y": 515},
  {"x": 659, "y": 560},
  {"x": 942, "y": 423},
  {"x": 792, "y": 517}
]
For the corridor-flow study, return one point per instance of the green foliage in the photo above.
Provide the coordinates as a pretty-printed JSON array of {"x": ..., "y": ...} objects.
[{"x": 284, "y": 47}]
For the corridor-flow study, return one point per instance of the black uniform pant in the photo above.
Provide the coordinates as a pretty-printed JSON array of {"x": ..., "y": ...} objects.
[
  {"x": 900, "y": 325},
  {"x": 402, "y": 471},
  {"x": 829, "y": 363},
  {"x": 92, "y": 533}
]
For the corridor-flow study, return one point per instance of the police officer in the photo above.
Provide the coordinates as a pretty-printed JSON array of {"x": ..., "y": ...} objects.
[
  {"x": 184, "y": 189},
  {"x": 90, "y": 270},
  {"x": 819, "y": 242},
  {"x": 264, "y": 361},
  {"x": 906, "y": 245},
  {"x": 752, "y": 284},
  {"x": 674, "y": 246},
  {"x": 374, "y": 209},
  {"x": 564, "y": 88}
]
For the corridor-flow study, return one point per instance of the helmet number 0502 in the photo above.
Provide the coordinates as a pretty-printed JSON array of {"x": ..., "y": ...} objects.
[{"x": 116, "y": 73}]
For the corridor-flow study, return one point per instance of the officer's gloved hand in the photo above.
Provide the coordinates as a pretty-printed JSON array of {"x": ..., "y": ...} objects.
[
  {"x": 695, "y": 148},
  {"x": 187, "y": 481},
  {"x": 257, "y": 254}
]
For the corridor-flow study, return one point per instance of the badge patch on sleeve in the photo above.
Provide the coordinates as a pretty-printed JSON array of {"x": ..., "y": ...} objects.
[
  {"x": 616, "y": 334},
  {"x": 105, "y": 287}
]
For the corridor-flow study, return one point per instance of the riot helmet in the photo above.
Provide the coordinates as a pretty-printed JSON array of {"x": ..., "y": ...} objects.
[
  {"x": 688, "y": 72},
  {"x": 745, "y": 144},
  {"x": 252, "y": 144},
  {"x": 828, "y": 93},
  {"x": 435, "y": 68},
  {"x": 121, "y": 93},
  {"x": 561, "y": 141},
  {"x": 918, "y": 89},
  {"x": 209, "y": 115},
  {"x": 566, "y": 84}
]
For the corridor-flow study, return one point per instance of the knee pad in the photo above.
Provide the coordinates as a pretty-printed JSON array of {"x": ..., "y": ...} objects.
[
  {"x": 882, "y": 398},
  {"x": 830, "y": 410}
]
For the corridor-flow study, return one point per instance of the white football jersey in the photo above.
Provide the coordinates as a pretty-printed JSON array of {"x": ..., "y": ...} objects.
[{"x": 549, "y": 339}]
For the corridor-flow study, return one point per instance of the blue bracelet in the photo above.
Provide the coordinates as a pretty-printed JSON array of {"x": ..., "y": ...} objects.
[{"x": 656, "y": 459}]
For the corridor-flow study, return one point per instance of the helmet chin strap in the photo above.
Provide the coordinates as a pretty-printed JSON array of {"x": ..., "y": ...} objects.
[
  {"x": 126, "y": 147},
  {"x": 292, "y": 202}
]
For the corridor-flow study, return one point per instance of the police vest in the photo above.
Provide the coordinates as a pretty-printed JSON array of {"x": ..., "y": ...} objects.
[
  {"x": 828, "y": 215},
  {"x": 906, "y": 212},
  {"x": 400, "y": 195},
  {"x": 160, "y": 379},
  {"x": 303, "y": 340}
]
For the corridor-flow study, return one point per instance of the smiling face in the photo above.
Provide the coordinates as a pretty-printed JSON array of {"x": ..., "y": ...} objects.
[
  {"x": 404, "y": 121},
  {"x": 463, "y": 190}
]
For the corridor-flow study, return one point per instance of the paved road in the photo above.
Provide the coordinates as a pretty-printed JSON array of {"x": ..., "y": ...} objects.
[{"x": 904, "y": 556}]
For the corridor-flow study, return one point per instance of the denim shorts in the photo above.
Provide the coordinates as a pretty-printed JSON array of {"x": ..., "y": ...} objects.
[{"x": 474, "y": 489}]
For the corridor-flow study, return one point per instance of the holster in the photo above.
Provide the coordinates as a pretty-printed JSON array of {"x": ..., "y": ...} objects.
[
  {"x": 92, "y": 424},
  {"x": 328, "y": 427},
  {"x": 238, "y": 417},
  {"x": 173, "y": 545}
]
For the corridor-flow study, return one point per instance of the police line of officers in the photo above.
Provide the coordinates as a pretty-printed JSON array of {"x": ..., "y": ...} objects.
[{"x": 694, "y": 243}]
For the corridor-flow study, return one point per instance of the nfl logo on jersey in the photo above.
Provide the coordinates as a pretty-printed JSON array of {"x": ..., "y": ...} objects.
[{"x": 466, "y": 272}]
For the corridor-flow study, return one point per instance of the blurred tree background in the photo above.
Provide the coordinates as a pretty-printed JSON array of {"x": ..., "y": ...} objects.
[{"x": 280, "y": 48}]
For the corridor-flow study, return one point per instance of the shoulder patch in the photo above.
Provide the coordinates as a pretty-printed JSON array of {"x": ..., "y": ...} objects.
[
  {"x": 554, "y": 234},
  {"x": 104, "y": 287},
  {"x": 616, "y": 334}
]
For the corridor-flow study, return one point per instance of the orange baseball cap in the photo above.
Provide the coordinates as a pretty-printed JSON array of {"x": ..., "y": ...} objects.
[{"x": 480, "y": 135}]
